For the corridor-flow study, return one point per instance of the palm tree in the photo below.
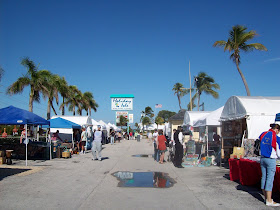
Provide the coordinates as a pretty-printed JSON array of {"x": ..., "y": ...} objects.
[
  {"x": 206, "y": 84},
  {"x": 123, "y": 121},
  {"x": 32, "y": 79},
  {"x": 146, "y": 121},
  {"x": 74, "y": 100},
  {"x": 90, "y": 103},
  {"x": 63, "y": 89},
  {"x": 159, "y": 121},
  {"x": 50, "y": 89},
  {"x": 236, "y": 42},
  {"x": 179, "y": 90}
]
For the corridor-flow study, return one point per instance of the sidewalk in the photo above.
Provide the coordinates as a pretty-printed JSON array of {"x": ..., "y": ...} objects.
[{"x": 81, "y": 183}]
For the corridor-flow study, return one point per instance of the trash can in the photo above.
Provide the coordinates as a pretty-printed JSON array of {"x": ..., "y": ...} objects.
[{"x": 138, "y": 138}]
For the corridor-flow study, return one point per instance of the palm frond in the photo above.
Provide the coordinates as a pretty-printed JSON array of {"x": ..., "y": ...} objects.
[{"x": 18, "y": 86}]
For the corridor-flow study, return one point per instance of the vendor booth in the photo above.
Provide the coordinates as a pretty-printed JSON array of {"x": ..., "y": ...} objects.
[
  {"x": 65, "y": 128},
  {"x": 208, "y": 126},
  {"x": 245, "y": 118},
  {"x": 189, "y": 118},
  {"x": 15, "y": 116}
]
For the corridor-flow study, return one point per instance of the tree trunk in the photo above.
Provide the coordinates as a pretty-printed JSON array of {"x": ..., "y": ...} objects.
[
  {"x": 179, "y": 100},
  {"x": 89, "y": 111},
  {"x": 198, "y": 101},
  {"x": 53, "y": 108},
  {"x": 243, "y": 78},
  {"x": 49, "y": 110},
  {"x": 74, "y": 111},
  {"x": 31, "y": 99},
  {"x": 63, "y": 107}
]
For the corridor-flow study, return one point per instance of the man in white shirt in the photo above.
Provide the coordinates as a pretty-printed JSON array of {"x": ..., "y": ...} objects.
[
  {"x": 155, "y": 135},
  {"x": 97, "y": 144}
]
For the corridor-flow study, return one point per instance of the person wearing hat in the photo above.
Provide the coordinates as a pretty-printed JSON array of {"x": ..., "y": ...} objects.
[
  {"x": 97, "y": 144},
  {"x": 270, "y": 151}
]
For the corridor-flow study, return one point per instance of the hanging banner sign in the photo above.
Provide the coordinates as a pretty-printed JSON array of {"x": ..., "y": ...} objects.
[{"x": 122, "y": 103}]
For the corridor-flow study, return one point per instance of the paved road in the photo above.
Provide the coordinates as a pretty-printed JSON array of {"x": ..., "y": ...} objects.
[{"x": 81, "y": 183}]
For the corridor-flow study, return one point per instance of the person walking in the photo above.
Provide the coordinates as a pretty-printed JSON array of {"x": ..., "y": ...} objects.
[
  {"x": 161, "y": 145},
  {"x": 112, "y": 137},
  {"x": 97, "y": 144},
  {"x": 83, "y": 139},
  {"x": 270, "y": 151},
  {"x": 155, "y": 135},
  {"x": 150, "y": 137},
  {"x": 178, "y": 138}
]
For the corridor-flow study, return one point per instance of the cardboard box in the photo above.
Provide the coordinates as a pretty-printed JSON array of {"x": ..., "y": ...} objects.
[
  {"x": 66, "y": 154},
  {"x": 238, "y": 151},
  {"x": 2, "y": 160}
]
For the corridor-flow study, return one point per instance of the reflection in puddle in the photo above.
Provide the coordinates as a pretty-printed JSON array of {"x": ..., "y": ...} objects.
[
  {"x": 141, "y": 155},
  {"x": 144, "y": 179}
]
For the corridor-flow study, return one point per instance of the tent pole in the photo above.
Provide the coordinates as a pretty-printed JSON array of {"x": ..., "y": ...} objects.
[
  {"x": 206, "y": 135},
  {"x": 26, "y": 142},
  {"x": 49, "y": 137}
]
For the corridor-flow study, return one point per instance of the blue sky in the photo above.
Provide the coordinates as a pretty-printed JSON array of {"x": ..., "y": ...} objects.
[{"x": 139, "y": 47}]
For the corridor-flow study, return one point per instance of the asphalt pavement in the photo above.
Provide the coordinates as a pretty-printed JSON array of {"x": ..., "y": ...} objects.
[{"x": 82, "y": 183}]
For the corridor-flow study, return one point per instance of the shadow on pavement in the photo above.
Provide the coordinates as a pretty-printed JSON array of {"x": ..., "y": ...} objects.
[
  {"x": 252, "y": 190},
  {"x": 5, "y": 172}
]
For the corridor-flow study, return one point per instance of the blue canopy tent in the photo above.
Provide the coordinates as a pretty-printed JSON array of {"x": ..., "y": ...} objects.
[
  {"x": 277, "y": 118},
  {"x": 65, "y": 128},
  {"x": 15, "y": 116}
]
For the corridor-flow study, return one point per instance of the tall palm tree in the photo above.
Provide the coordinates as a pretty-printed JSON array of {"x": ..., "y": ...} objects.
[
  {"x": 74, "y": 100},
  {"x": 237, "y": 41},
  {"x": 50, "y": 90},
  {"x": 32, "y": 79},
  {"x": 90, "y": 103},
  {"x": 206, "y": 84},
  {"x": 179, "y": 90},
  {"x": 64, "y": 91}
]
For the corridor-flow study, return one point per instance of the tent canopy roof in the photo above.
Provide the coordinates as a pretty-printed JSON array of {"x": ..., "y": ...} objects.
[
  {"x": 238, "y": 107},
  {"x": 191, "y": 116},
  {"x": 211, "y": 119},
  {"x": 15, "y": 116},
  {"x": 62, "y": 123},
  {"x": 178, "y": 116},
  {"x": 80, "y": 120}
]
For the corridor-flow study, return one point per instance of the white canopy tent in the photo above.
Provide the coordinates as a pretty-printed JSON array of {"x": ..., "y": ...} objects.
[
  {"x": 94, "y": 124},
  {"x": 191, "y": 116},
  {"x": 209, "y": 123},
  {"x": 105, "y": 127},
  {"x": 258, "y": 111},
  {"x": 211, "y": 119},
  {"x": 116, "y": 128},
  {"x": 189, "y": 119}
]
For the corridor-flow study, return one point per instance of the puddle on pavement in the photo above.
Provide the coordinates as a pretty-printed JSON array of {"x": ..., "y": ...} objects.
[
  {"x": 144, "y": 179},
  {"x": 142, "y": 155}
]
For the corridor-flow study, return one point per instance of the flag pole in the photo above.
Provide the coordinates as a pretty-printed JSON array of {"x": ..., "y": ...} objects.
[{"x": 190, "y": 85}]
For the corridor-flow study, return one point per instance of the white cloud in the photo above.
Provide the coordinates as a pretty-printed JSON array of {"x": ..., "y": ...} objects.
[{"x": 273, "y": 59}]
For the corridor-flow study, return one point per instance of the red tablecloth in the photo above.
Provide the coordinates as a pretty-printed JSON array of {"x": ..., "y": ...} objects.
[
  {"x": 248, "y": 172},
  {"x": 233, "y": 169}
]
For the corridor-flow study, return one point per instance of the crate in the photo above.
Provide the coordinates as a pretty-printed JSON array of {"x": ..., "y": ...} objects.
[{"x": 66, "y": 154}]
